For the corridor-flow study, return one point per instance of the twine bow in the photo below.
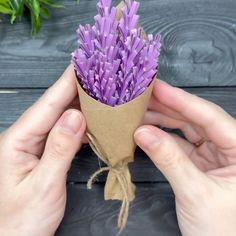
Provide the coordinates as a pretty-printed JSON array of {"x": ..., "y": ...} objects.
[{"x": 119, "y": 173}]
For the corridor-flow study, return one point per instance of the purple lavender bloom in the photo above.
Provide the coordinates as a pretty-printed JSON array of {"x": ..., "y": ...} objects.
[{"x": 115, "y": 62}]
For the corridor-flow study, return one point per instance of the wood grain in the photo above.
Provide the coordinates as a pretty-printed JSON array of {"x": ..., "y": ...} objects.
[
  {"x": 199, "y": 53},
  {"x": 87, "y": 214},
  {"x": 199, "y": 39},
  {"x": 86, "y": 163},
  {"x": 14, "y": 102}
]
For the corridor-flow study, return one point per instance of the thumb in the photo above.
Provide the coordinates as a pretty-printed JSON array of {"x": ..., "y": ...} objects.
[
  {"x": 179, "y": 170},
  {"x": 63, "y": 142}
]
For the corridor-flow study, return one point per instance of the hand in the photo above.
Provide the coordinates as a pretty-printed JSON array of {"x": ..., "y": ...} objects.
[
  {"x": 35, "y": 155},
  {"x": 200, "y": 169}
]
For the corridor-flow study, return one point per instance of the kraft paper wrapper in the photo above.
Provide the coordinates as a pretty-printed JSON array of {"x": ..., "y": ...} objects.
[{"x": 110, "y": 131}]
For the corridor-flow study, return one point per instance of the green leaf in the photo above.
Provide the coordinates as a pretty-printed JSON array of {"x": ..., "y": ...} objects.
[
  {"x": 13, "y": 18},
  {"x": 38, "y": 9},
  {"x": 52, "y": 4},
  {"x": 34, "y": 8},
  {"x": 15, "y": 4},
  {"x": 5, "y": 10},
  {"x": 36, "y": 24},
  {"x": 4, "y": 2},
  {"x": 20, "y": 11},
  {"x": 44, "y": 12}
]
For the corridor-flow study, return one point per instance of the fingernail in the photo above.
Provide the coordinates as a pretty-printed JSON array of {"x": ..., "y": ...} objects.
[
  {"x": 71, "y": 122},
  {"x": 146, "y": 139}
]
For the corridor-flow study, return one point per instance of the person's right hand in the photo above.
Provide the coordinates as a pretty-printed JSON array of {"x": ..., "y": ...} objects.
[{"x": 201, "y": 169}]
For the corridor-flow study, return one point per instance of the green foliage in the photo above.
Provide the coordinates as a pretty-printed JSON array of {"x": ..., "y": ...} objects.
[{"x": 38, "y": 9}]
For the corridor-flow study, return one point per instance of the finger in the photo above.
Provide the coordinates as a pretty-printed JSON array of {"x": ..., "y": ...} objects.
[
  {"x": 85, "y": 139},
  {"x": 75, "y": 104},
  {"x": 226, "y": 172},
  {"x": 40, "y": 117},
  {"x": 193, "y": 154},
  {"x": 63, "y": 142},
  {"x": 156, "y": 118},
  {"x": 156, "y": 105},
  {"x": 187, "y": 147},
  {"x": 200, "y": 112},
  {"x": 183, "y": 176},
  {"x": 184, "y": 145}
]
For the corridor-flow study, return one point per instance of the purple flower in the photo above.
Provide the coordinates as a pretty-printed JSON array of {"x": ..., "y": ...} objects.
[{"x": 115, "y": 62}]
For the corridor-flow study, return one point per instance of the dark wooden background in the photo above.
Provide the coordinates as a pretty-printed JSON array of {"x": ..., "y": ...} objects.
[{"x": 199, "y": 53}]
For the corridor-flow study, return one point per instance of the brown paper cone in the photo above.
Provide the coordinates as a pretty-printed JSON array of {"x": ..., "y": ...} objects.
[{"x": 110, "y": 131}]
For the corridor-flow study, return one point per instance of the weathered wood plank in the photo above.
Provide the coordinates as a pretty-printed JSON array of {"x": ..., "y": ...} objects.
[
  {"x": 87, "y": 214},
  {"x": 85, "y": 163},
  {"x": 14, "y": 102},
  {"x": 199, "y": 42}
]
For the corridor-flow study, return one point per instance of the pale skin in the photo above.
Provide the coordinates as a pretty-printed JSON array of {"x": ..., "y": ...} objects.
[
  {"x": 35, "y": 155},
  {"x": 201, "y": 169},
  {"x": 37, "y": 150}
]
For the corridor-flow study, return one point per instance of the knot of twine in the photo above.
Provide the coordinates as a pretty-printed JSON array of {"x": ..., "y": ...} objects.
[
  {"x": 124, "y": 210},
  {"x": 119, "y": 173}
]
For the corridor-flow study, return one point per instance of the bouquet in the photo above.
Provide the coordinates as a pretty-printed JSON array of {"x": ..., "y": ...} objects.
[{"x": 115, "y": 63}]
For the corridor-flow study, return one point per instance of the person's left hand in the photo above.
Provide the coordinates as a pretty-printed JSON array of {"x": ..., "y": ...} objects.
[{"x": 35, "y": 156}]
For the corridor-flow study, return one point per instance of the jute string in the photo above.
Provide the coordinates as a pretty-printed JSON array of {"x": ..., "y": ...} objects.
[{"x": 119, "y": 173}]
